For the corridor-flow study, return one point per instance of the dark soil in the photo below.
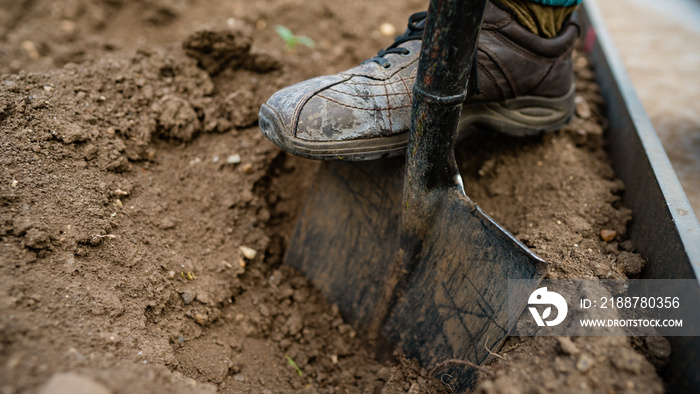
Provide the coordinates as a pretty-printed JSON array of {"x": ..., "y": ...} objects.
[{"x": 143, "y": 216}]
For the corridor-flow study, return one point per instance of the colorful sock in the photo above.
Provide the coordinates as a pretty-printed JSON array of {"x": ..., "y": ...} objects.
[{"x": 541, "y": 17}]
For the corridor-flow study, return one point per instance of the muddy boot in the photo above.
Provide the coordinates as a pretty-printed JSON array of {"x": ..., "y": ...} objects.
[{"x": 523, "y": 85}]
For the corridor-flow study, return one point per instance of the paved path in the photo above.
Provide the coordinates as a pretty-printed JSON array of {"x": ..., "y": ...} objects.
[{"x": 659, "y": 42}]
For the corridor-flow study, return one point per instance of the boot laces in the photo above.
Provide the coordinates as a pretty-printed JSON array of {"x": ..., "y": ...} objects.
[
  {"x": 414, "y": 31},
  {"x": 416, "y": 25}
]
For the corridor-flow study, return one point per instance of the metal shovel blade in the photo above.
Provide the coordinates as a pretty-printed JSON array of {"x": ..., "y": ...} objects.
[
  {"x": 407, "y": 257},
  {"x": 453, "y": 305}
]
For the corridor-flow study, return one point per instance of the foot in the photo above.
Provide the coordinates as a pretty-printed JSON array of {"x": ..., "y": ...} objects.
[{"x": 524, "y": 85}]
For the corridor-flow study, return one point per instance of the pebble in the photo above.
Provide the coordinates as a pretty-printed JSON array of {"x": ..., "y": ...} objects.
[
  {"x": 248, "y": 253},
  {"x": 387, "y": 29},
  {"x": 607, "y": 235},
  {"x": 167, "y": 223},
  {"x": 585, "y": 362},
  {"x": 30, "y": 49},
  {"x": 567, "y": 345},
  {"x": 68, "y": 26},
  {"x": 247, "y": 168},
  {"x": 72, "y": 383},
  {"x": 583, "y": 110},
  {"x": 234, "y": 159},
  {"x": 200, "y": 319},
  {"x": 188, "y": 297}
]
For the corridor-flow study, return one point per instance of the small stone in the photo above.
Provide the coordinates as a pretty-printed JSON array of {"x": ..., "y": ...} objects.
[
  {"x": 188, "y": 297},
  {"x": 583, "y": 110},
  {"x": 171, "y": 275},
  {"x": 607, "y": 235},
  {"x": 584, "y": 363},
  {"x": 30, "y": 49},
  {"x": 387, "y": 29},
  {"x": 72, "y": 383},
  {"x": 200, "y": 319},
  {"x": 247, "y": 168},
  {"x": 260, "y": 24},
  {"x": 167, "y": 224},
  {"x": 567, "y": 345},
  {"x": 68, "y": 26},
  {"x": 234, "y": 159},
  {"x": 248, "y": 253}
]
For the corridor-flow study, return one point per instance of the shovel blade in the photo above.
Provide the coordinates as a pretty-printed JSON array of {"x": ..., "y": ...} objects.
[
  {"x": 454, "y": 306},
  {"x": 348, "y": 234},
  {"x": 451, "y": 305}
]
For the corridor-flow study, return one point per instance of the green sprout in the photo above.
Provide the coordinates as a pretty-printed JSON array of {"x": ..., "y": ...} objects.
[
  {"x": 293, "y": 40},
  {"x": 294, "y": 365}
]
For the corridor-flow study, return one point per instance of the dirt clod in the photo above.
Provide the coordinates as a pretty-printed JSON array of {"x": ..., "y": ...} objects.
[
  {"x": 177, "y": 118},
  {"x": 36, "y": 239}
]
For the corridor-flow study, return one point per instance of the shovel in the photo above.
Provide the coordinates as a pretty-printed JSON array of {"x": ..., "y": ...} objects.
[{"x": 410, "y": 260}]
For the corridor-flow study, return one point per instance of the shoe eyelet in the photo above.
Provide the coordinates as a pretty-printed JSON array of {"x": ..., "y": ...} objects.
[
  {"x": 407, "y": 54},
  {"x": 387, "y": 65}
]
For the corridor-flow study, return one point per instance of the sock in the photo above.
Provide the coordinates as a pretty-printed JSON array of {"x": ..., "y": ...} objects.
[{"x": 543, "y": 20}]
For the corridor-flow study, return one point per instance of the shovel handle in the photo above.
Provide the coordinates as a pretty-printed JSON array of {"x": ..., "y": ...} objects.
[{"x": 448, "y": 49}]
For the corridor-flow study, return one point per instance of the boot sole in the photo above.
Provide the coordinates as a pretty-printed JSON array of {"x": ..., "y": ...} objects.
[{"x": 522, "y": 116}]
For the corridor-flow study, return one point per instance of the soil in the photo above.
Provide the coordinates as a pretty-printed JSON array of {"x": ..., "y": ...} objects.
[{"x": 143, "y": 216}]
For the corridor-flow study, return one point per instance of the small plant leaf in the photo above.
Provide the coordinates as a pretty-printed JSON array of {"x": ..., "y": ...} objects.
[
  {"x": 303, "y": 40},
  {"x": 292, "y": 40},
  {"x": 284, "y": 33},
  {"x": 294, "y": 365}
]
